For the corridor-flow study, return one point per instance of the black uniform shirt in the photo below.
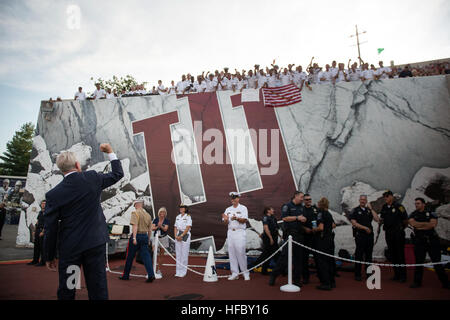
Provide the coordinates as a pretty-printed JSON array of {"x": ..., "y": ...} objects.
[
  {"x": 393, "y": 216},
  {"x": 424, "y": 216},
  {"x": 40, "y": 222},
  {"x": 310, "y": 215},
  {"x": 272, "y": 224},
  {"x": 326, "y": 218},
  {"x": 291, "y": 210},
  {"x": 363, "y": 216}
]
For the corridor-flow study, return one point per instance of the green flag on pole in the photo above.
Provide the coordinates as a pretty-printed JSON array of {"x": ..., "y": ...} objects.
[{"x": 380, "y": 50}]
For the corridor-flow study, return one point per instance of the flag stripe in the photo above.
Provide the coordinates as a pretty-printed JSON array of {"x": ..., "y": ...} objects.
[{"x": 281, "y": 96}]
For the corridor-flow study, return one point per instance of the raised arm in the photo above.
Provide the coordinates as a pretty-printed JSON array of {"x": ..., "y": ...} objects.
[{"x": 108, "y": 179}]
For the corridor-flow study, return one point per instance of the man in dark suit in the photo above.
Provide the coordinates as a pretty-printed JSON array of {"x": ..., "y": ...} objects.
[{"x": 73, "y": 214}]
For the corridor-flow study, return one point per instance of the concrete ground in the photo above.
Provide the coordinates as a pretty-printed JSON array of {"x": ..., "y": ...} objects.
[{"x": 8, "y": 250}]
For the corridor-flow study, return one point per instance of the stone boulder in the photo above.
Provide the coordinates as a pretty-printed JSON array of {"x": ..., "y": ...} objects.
[{"x": 443, "y": 226}]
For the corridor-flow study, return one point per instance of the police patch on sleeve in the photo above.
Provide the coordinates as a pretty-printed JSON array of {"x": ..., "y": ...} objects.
[{"x": 284, "y": 209}]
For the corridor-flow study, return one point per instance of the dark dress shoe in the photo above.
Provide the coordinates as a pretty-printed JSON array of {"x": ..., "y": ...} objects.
[
  {"x": 32, "y": 263},
  {"x": 272, "y": 280},
  {"x": 123, "y": 278},
  {"x": 149, "y": 280},
  {"x": 402, "y": 280},
  {"x": 394, "y": 279},
  {"x": 40, "y": 264},
  {"x": 323, "y": 287},
  {"x": 415, "y": 285},
  {"x": 298, "y": 283},
  {"x": 305, "y": 281}
]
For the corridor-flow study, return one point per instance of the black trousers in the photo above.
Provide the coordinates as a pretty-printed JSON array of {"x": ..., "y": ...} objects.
[
  {"x": 422, "y": 245},
  {"x": 2, "y": 220},
  {"x": 364, "y": 249},
  {"x": 395, "y": 240},
  {"x": 268, "y": 250},
  {"x": 297, "y": 259},
  {"x": 94, "y": 267},
  {"x": 326, "y": 267},
  {"x": 38, "y": 248},
  {"x": 309, "y": 242}
]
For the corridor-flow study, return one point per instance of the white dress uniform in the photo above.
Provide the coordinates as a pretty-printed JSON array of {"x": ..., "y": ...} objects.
[
  {"x": 368, "y": 74},
  {"x": 354, "y": 75},
  {"x": 182, "y": 247},
  {"x": 236, "y": 238}
]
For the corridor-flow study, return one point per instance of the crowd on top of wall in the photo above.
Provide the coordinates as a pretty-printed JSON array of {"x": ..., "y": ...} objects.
[{"x": 272, "y": 76}]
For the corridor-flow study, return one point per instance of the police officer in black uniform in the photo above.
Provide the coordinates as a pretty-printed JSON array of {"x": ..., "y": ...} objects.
[
  {"x": 324, "y": 242},
  {"x": 395, "y": 220},
  {"x": 310, "y": 212},
  {"x": 292, "y": 215},
  {"x": 426, "y": 240},
  {"x": 361, "y": 218},
  {"x": 270, "y": 238},
  {"x": 39, "y": 239}
]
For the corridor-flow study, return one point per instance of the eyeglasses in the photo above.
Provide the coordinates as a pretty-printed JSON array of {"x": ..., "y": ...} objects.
[{"x": 308, "y": 199}]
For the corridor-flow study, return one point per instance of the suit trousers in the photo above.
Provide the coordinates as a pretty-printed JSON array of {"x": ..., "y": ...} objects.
[{"x": 94, "y": 267}]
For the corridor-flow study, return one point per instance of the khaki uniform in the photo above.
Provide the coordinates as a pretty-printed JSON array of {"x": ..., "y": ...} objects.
[{"x": 142, "y": 219}]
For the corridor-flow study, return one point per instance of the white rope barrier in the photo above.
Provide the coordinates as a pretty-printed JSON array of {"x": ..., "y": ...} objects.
[
  {"x": 369, "y": 263},
  {"x": 157, "y": 244}
]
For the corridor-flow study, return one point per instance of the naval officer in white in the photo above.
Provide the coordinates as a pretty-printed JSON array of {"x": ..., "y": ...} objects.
[
  {"x": 236, "y": 217},
  {"x": 182, "y": 228}
]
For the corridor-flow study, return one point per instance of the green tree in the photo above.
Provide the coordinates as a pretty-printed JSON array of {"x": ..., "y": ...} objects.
[
  {"x": 120, "y": 84},
  {"x": 16, "y": 158}
]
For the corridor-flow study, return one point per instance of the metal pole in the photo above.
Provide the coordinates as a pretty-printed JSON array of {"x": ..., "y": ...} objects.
[{"x": 357, "y": 43}]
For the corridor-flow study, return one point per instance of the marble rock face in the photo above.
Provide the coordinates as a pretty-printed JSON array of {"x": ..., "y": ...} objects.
[{"x": 443, "y": 226}]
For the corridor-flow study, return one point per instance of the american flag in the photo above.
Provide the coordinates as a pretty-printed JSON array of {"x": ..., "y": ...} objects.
[{"x": 281, "y": 96}]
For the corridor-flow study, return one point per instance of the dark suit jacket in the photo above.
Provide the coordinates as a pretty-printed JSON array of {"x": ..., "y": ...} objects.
[{"x": 75, "y": 202}]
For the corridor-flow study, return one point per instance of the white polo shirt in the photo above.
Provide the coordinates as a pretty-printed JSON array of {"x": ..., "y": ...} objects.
[
  {"x": 251, "y": 82},
  {"x": 340, "y": 75},
  {"x": 272, "y": 81},
  {"x": 261, "y": 81},
  {"x": 326, "y": 75},
  {"x": 80, "y": 95},
  {"x": 99, "y": 94},
  {"x": 368, "y": 74},
  {"x": 239, "y": 212},
  {"x": 210, "y": 86},
  {"x": 285, "y": 79},
  {"x": 110, "y": 95},
  {"x": 181, "y": 85},
  {"x": 383, "y": 75},
  {"x": 354, "y": 75},
  {"x": 160, "y": 90}
]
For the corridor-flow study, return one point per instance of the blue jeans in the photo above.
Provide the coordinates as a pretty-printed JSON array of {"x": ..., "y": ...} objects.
[{"x": 142, "y": 246}]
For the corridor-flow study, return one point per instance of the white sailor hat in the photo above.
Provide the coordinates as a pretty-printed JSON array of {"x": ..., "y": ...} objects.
[
  {"x": 234, "y": 194},
  {"x": 138, "y": 201}
]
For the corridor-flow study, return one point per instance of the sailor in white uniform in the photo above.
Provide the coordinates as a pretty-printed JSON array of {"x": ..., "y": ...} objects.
[
  {"x": 236, "y": 217},
  {"x": 182, "y": 228}
]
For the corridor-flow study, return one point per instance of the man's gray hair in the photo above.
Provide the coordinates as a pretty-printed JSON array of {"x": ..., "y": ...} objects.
[
  {"x": 66, "y": 161},
  {"x": 363, "y": 195}
]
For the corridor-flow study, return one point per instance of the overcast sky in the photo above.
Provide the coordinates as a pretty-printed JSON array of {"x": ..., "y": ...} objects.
[{"x": 45, "y": 53}]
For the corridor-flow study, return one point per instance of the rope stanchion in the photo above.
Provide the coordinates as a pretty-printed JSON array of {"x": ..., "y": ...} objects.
[
  {"x": 289, "y": 287},
  {"x": 369, "y": 263}
]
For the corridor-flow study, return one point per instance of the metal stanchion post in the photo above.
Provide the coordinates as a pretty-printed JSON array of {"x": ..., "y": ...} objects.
[{"x": 290, "y": 287}]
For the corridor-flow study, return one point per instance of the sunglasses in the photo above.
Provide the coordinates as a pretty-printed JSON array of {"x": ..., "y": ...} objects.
[{"x": 308, "y": 199}]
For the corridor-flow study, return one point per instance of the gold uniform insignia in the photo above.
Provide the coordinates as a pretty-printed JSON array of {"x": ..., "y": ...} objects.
[{"x": 401, "y": 208}]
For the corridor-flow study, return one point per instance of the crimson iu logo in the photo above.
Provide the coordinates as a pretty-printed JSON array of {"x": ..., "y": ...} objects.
[{"x": 211, "y": 144}]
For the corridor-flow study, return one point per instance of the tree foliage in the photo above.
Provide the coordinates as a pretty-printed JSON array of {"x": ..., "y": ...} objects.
[
  {"x": 120, "y": 84},
  {"x": 16, "y": 158}
]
